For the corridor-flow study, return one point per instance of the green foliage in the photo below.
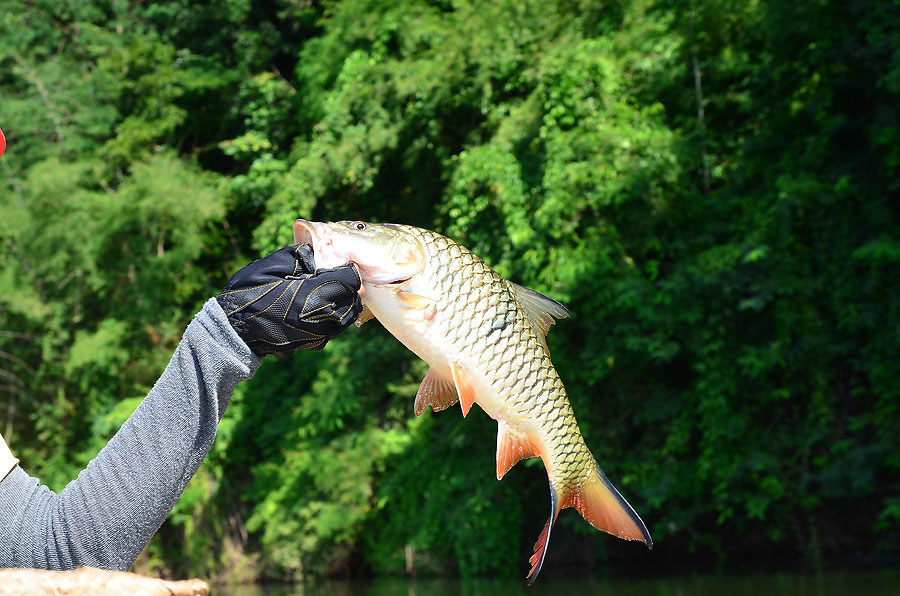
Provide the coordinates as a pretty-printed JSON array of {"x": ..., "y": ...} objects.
[{"x": 732, "y": 276}]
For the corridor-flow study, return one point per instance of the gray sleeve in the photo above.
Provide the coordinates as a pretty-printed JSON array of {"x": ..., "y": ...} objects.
[{"x": 106, "y": 516}]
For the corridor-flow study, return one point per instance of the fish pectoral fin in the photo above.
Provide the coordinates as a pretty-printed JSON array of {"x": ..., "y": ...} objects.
[
  {"x": 463, "y": 389},
  {"x": 364, "y": 316},
  {"x": 542, "y": 311},
  {"x": 512, "y": 447},
  {"x": 435, "y": 391},
  {"x": 411, "y": 300}
]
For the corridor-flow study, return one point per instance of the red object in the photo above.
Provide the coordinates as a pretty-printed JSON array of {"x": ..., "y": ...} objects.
[{"x": 2, "y": 143}]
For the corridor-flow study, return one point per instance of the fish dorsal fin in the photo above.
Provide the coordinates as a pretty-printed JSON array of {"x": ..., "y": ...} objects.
[
  {"x": 541, "y": 310},
  {"x": 364, "y": 316},
  {"x": 463, "y": 389},
  {"x": 435, "y": 391},
  {"x": 512, "y": 447}
]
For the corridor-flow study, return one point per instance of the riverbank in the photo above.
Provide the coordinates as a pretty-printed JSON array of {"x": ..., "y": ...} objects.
[{"x": 881, "y": 582}]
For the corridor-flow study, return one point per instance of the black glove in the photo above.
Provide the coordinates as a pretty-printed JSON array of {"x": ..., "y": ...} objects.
[{"x": 281, "y": 302}]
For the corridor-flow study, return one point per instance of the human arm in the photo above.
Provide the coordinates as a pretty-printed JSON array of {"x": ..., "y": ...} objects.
[{"x": 106, "y": 516}]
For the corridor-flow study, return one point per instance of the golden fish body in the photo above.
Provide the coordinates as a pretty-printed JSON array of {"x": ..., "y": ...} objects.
[
  {"x": 484, "y": 340},
  {"x": 477, "y": 325}
]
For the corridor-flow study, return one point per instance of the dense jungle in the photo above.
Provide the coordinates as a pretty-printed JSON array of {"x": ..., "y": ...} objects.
[{"x": 712, "y": 187}]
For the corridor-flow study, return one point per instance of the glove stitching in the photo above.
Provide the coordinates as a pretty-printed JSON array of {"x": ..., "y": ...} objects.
[
  {"x": 349, "y": 308},
  {"x": 319, "y": 318},
  {"x": 271, "y": 283},
  {"x": 294, "y": 297},
  {"x": 304, "y": 341},
  {"x": 263, "y": 295},
  {"x": 274, "y": 285},
  {"x": 315, "y": 345},
  {"x": 273, "y": 303},
  {"x": 240, "y": 327},
  {"x": 330, "y": 281},
  {"x": 333, "y": 305},
  {"x": 284, "y": 318},
  {"x": 306, "y": 314},
  {"x": 258, "y": 334},
  {"x": 227, "y": 304},
  {"x": 330, "y": 316}
]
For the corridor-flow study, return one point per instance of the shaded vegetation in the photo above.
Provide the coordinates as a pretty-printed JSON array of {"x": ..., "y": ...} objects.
[{"x": 710, "y": 186}]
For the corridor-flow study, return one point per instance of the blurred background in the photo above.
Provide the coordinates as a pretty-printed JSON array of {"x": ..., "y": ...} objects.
[{"x": 710, "y": 186}]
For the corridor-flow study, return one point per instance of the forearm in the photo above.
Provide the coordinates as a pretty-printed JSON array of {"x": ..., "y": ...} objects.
[{"x": 107, "y": 515}]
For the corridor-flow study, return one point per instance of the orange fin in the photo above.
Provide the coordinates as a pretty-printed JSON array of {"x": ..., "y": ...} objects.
[
  {"x": 543, "y": 541},
  {"x": 414, "y": 300},
  {"x": 512, "y": 447},
  {"x": 465, "y": 391},
  {"x": 435, "y": 391},
  {"x": 603, "y": 507},
  {"x": 364, "y": 316}
]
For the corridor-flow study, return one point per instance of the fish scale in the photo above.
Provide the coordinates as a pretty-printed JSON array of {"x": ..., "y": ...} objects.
[
  {"x": 483, "y": 338},
  {"x": 570, "y": 462}
]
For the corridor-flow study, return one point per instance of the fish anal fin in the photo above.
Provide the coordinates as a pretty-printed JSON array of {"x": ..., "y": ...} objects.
[
  {"x": 364, "y": 316},
  {"x": 543, "y": 541},
  {"x": 606, "y": 509},
  {"x": 542, "y": 311},
  {"x": 463, "y": 389},
  {"x": 435, "y": 391},
  {"x": 512, "y": 447}
]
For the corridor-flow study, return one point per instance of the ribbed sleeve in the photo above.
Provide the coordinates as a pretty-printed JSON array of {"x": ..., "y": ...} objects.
[{"x": 106, "y": 516}]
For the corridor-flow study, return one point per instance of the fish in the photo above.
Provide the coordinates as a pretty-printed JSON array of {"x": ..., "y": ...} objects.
[{"x": 484, "y": 340}]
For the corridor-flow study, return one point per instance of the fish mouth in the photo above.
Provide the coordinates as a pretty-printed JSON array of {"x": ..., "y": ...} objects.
[
  {"x": 397, "y": 282},
  {"x": 318, "y": 237},
  {"x": 305, "y": 233}
]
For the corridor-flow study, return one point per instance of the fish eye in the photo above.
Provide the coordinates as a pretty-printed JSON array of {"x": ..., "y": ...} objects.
[{"x": 359, "y": 226}]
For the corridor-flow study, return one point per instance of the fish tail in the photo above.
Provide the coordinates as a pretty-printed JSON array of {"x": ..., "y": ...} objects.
[
  {"x": 543, "y": 541},
  {"x": 606, "y": 509},
  {"x": 598, "y": 502}
]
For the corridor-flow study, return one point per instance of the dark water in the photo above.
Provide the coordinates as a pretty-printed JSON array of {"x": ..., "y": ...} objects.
[{"x": 873, "y": 583}]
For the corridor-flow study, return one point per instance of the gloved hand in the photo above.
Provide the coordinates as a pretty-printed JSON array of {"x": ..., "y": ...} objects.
[{"x": 281, "y": 302}]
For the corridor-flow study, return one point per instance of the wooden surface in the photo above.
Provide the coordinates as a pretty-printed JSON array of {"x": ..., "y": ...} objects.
[{"x": 88, "y": 581}]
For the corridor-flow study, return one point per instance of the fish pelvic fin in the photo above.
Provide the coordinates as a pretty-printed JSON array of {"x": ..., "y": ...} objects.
[
  {"x": 364, "y": 316},
  {"x": 512, "y": 447},
  {"x": 606, "y": 509},
  {"x": 465, "y": 391},
  {"x": 435, "y": 391},
  {"x": 543, "y": 541}
]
